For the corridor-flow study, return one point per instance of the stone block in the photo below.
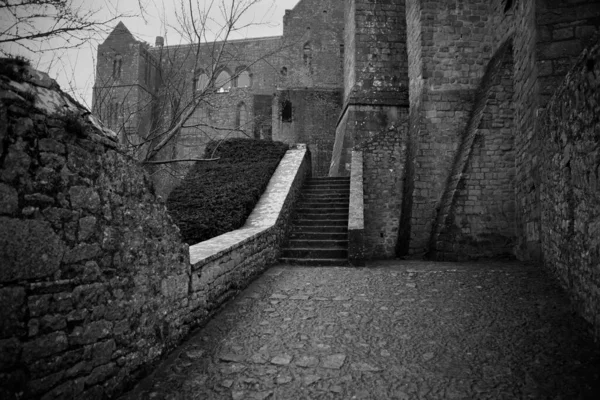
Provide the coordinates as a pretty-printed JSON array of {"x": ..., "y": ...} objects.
[
  {"x": 84, "y": 198},
  {"x": 44, "y": 346},
  {"x": 90, "y": 333},
  {"x": 29, "y": 249},
  {"x": 175, "y": 287},
  {"x": 12, "y": 312}
]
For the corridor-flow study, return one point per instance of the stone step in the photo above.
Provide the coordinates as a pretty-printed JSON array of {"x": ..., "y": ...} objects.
[
  {"x": 309, "y": 204},
  {"x": 323, "y": 216},
  {"x": 330, "y": 191},
  {"x": 336, "y": 186},
  {"x": 319, "y": 235},
  {"x": 315, "y": 262},
  {"x": 320, "y": 228},
  {"x": 329, "y": 179},
  {"x": 313, "y": 252},
  {"x": 325, "y": 198},
  {"x": 321, "y": 223},
  {"x": 321, "y": 210},
  {"x": 315, "y": 243}
]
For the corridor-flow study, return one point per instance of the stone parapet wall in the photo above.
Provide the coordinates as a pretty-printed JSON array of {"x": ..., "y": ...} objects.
[
  {"x": 224, "y": 265},
  {"x": 570, "y": 185}
]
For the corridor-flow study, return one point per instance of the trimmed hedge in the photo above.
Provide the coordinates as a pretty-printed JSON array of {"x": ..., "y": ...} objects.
[{"x": 218, "y": 196}]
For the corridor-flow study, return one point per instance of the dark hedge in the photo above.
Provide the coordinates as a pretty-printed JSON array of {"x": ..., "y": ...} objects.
[{"x": 217, "y": 196}]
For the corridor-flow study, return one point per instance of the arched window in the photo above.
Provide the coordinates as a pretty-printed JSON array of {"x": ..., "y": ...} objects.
[
  {"x": 242, "y": 79},
  {"x": 200, "y": 82},
  {"x": 307, "y": 55},
  {"x": 286, "y": 111},
  {"x": 241, "y": 117},
  {"x": 223, "y": 81},
  {"x": 283, "y": 71}
]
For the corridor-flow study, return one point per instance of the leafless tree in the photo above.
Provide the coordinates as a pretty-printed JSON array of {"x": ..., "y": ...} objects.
[
  {"x": 208, "y": 28},
  {"x": 51, "y": 25}
]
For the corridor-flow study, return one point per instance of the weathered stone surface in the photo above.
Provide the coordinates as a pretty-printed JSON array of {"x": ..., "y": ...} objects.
[
  {"x": 84, "y": 198},
  {"x": 12, "y": 313},
  {"x": 44, "y": 346},
  {"x": 28, "y": 249},
  {"x": 9, "y": 200}
]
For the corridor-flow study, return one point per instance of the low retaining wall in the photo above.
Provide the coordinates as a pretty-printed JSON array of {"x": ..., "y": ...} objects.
[
  {"x": 224, "y": 265},
  {"x": 356, "y": 219}
]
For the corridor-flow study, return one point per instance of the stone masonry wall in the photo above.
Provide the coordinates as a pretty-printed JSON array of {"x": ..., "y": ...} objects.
[
  {"x": 477, "y": 212},
  {"x": 314, "y": 116},
  {"x": 384, "y": 158},
  {"x": 95, "y": 282},
  {"x": 224, "y": 265},
  {"x": 570, "y": 185},
  {"x": 94, "y": 276},
  {"x": 450, "y": 53}
]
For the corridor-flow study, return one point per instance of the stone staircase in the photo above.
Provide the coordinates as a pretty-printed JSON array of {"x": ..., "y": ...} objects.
[{"x": 319, "y": 235}]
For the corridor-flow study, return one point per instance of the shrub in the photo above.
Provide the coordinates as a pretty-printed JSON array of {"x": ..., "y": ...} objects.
[{"x": 217, "y": 196}]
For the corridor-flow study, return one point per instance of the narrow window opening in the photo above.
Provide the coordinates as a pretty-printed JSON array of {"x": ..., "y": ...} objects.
[
  {"x": 241, "y": 117},
  {"x": 283, "y": 71},
  {"x": 509, "y": 4},
  {"x": 307, "y": 56},
  {"x": 286, "y": 111},
  {"x": 117, "y": 63}
]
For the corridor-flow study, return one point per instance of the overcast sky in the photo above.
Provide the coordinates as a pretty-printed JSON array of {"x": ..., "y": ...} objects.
[{"x": 75, "y": 69}]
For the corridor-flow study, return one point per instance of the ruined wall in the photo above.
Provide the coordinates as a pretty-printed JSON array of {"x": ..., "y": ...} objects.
[
  {"x": 94, "y": 275},
  {"x": 570, "y": 185}
]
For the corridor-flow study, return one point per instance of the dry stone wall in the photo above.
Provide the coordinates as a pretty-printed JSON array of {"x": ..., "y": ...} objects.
[{"x": 570, "y": 185}]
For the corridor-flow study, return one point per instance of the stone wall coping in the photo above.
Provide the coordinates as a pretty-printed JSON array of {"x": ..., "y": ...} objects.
[{"x": 263, "y": 217}]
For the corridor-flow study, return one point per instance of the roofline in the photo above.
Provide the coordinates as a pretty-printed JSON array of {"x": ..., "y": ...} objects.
[{"x": 264, "y": 38}]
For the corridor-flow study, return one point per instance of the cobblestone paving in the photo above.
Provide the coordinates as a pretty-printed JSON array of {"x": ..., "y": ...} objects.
[{"x": 394, "y": 330}]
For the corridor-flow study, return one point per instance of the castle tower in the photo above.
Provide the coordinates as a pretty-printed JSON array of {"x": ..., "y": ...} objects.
[{"x": 125, "y": 87}]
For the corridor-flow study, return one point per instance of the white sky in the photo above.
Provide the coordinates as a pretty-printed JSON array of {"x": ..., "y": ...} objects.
[{"x": 74, "y": 69}]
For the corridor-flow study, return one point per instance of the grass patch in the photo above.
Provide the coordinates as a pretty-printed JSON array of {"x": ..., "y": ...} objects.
[{"x": 218, "y": 196}]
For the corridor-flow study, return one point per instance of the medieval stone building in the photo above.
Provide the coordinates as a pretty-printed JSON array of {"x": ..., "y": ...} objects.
[
  {"x": 442, "y": 98},
  {"x": 286, "y": 88}
]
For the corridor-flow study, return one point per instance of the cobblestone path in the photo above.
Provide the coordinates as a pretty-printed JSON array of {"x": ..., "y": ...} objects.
[{"x": 394, "y": 330}]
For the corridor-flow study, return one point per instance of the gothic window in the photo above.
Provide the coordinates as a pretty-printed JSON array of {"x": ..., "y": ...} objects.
[
  {"x": 223, "y": 82},
  {"x": 286, "y": 111},
  {"x": 307, "y": 55},
  {"x": 200, "y": 82},
  {"x": 117, "y": 64},
  {"x": 242, "y": 79},
  {"x": 241, "y": 116}
]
